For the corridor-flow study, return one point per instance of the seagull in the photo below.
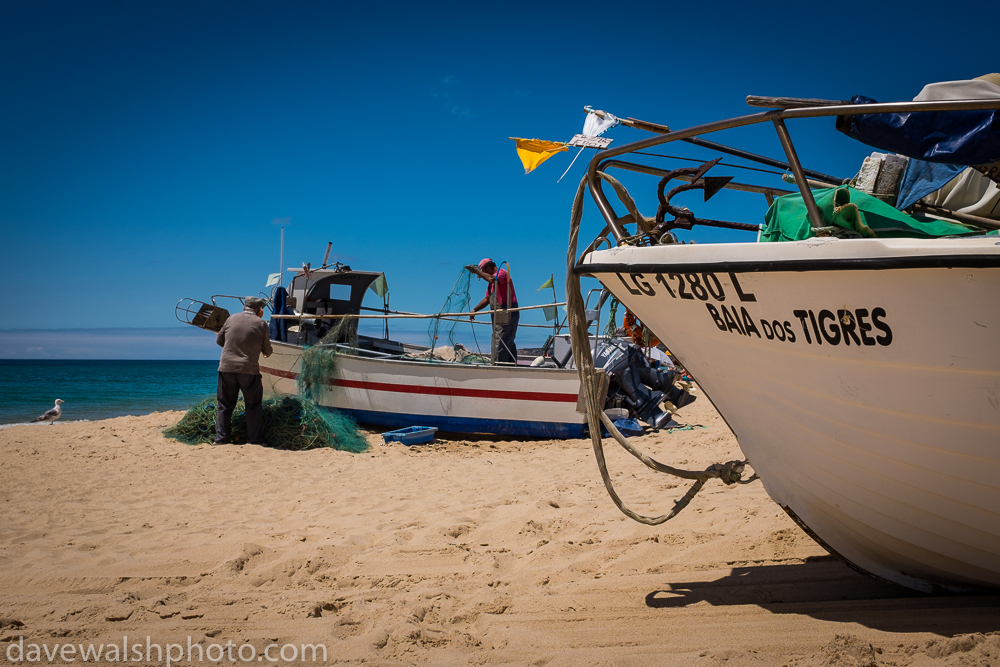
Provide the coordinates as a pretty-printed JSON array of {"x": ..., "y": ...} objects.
[{"x": 52, "y": 415}]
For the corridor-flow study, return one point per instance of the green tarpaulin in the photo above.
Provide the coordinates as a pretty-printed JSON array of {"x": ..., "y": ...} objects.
[{"x": 788, "y": 219}]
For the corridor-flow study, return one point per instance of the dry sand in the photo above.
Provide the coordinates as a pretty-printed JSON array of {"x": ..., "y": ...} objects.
[{"x": 456, "y": 552}]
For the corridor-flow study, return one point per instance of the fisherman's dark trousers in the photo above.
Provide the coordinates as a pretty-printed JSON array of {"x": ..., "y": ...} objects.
[
  {"x": 227, "y": 393},
  {"x": 507, "y": 348}
]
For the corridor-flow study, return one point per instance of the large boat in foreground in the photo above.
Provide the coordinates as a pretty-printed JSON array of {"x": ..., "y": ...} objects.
[{"x": 858, "y": 366}]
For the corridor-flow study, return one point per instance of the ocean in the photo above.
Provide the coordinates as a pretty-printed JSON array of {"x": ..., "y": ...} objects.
[
  {"x": 99, "y": 389},
  {"x": 103, "y": 388}
]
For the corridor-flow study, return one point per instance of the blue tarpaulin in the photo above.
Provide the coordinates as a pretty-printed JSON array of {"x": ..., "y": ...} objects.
[
  {"x": 923, "y": 178},
  {"x": 278, "y": 329},
  {"x": 952, "y": 137}
]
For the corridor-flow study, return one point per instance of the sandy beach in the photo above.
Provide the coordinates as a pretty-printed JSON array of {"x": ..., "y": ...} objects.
[{"x": 457, "y": 552}]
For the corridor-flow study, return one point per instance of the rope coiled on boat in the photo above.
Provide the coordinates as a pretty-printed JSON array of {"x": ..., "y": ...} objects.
[{"x": 729, "y": 473}]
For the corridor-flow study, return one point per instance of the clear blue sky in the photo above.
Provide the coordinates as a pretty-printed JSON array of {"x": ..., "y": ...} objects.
[{"x": 146, "y": 147}]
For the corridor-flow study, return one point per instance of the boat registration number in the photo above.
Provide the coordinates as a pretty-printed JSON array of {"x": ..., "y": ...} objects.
[{"x": 858, "y": 326}]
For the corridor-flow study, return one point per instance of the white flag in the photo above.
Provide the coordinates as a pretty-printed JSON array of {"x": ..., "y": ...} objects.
[
  {"x": 273, "y": 279},
  {"x": 595, "y": 126}
]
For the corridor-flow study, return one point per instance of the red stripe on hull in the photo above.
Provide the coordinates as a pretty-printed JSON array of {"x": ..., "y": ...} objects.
[{"x": 438, "y": 391}]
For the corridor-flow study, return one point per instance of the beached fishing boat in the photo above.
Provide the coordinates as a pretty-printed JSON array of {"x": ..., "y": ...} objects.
[
  {"x": 857, "y": 364},
  {"x": 453, "y": 397},
  {"x": 387, "y": 383}
]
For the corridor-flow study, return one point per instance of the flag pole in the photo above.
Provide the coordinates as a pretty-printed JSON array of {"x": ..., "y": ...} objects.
[
  {"x": 555, "y": 299},
  {"x": 281, "y": 259}
]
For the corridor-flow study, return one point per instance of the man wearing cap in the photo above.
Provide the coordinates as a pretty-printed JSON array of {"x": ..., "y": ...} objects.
[
  {"x": 500, "y": 295},
  {"x": 243, "y": 338}
]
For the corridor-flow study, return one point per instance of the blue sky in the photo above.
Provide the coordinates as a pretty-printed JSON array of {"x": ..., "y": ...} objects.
[{"x": 147, "y": 147}]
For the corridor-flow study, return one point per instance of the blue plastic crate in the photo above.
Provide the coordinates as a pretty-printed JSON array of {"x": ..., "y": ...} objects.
[
  {"x": 627, "y": 427},
  {"x": 411, "y": 435}
]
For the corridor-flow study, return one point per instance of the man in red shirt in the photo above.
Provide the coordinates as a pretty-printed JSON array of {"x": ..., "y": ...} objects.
[{"x": 500, "y": 296}]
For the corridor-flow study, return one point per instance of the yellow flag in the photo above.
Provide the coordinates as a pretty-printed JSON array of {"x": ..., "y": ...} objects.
[
  {"x": 533, "y": 152},
  {"x": 545, "y": 285}
]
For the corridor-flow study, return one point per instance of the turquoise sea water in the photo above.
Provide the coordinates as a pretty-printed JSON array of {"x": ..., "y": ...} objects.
[{"x": 101, "y": 389}]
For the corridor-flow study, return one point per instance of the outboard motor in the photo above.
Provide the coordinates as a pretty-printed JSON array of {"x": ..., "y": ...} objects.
[{"x": 636, "y": 385}]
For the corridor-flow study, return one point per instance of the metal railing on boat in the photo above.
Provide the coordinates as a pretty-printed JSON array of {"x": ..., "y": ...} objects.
[
  {"x": 787, "y": 108},
  {"x": 414, "y": 316}
]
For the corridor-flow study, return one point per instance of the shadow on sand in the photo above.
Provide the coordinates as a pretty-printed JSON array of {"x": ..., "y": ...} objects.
[{"x": 826, "y": 589}]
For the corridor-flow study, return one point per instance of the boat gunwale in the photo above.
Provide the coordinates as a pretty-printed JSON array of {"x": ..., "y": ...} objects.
[
  {"x": 435, "y": 363},
  {"x": 951, "y": 261}
]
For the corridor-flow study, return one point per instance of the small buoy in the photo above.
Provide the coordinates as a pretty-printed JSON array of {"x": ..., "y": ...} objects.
[{"x": 538, "y": 361}]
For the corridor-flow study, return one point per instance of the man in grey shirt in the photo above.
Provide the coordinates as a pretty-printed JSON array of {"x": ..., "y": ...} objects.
[{"x": 243, "y": 338}]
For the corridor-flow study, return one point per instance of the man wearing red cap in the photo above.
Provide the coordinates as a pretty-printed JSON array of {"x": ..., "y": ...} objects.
[{"x": 500, "y": 296}]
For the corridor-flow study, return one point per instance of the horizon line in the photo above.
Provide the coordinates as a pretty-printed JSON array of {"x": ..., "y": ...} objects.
[{"x": 3, "y": 359}]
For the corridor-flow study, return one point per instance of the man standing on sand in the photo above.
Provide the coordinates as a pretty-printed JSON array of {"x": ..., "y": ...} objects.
[
  {"x": 500, "y": 296},
  {"x": 243, "y": 338}
]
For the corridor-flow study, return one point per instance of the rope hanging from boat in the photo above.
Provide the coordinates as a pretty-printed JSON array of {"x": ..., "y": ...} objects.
[
  {"x": 729, "y": 473},
  {"x": 643, "y": 224}
]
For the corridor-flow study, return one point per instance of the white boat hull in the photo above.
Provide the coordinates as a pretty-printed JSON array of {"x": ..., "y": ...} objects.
[
  {"x": 862, "y": 379},
  {"x": 457, "y": 398}
]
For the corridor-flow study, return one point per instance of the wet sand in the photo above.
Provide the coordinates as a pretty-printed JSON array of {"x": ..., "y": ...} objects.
[{"x": 452, "y": 553}]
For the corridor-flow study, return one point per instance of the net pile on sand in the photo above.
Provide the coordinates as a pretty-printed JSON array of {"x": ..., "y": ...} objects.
[{"x": 290, "y": 422}]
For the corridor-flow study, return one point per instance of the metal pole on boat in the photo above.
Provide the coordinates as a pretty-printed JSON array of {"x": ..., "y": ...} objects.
[
  {"x": 555, "y": 298},
  {"x": 326, "y": 256},
  {"x": 281, "y": 259},
  {"x": 656, "y": 128},
  {"x": 800, "y": 177},
  {"x": 385, "y": 311}
]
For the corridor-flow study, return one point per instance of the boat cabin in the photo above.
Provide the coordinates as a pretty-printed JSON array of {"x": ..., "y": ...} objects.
[{"x": 338, "y": 290}]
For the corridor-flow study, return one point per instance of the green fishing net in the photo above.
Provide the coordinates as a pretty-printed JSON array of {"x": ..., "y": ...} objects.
[
  {"x": 612, "y": 327},
  {"x": 290, "y": 422},
  {"x": 317, "y": 366},
  {"x": 457, "y": 302},
  {"x": 443, "y": 329},
  {"x": 318, "y": 363}
]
